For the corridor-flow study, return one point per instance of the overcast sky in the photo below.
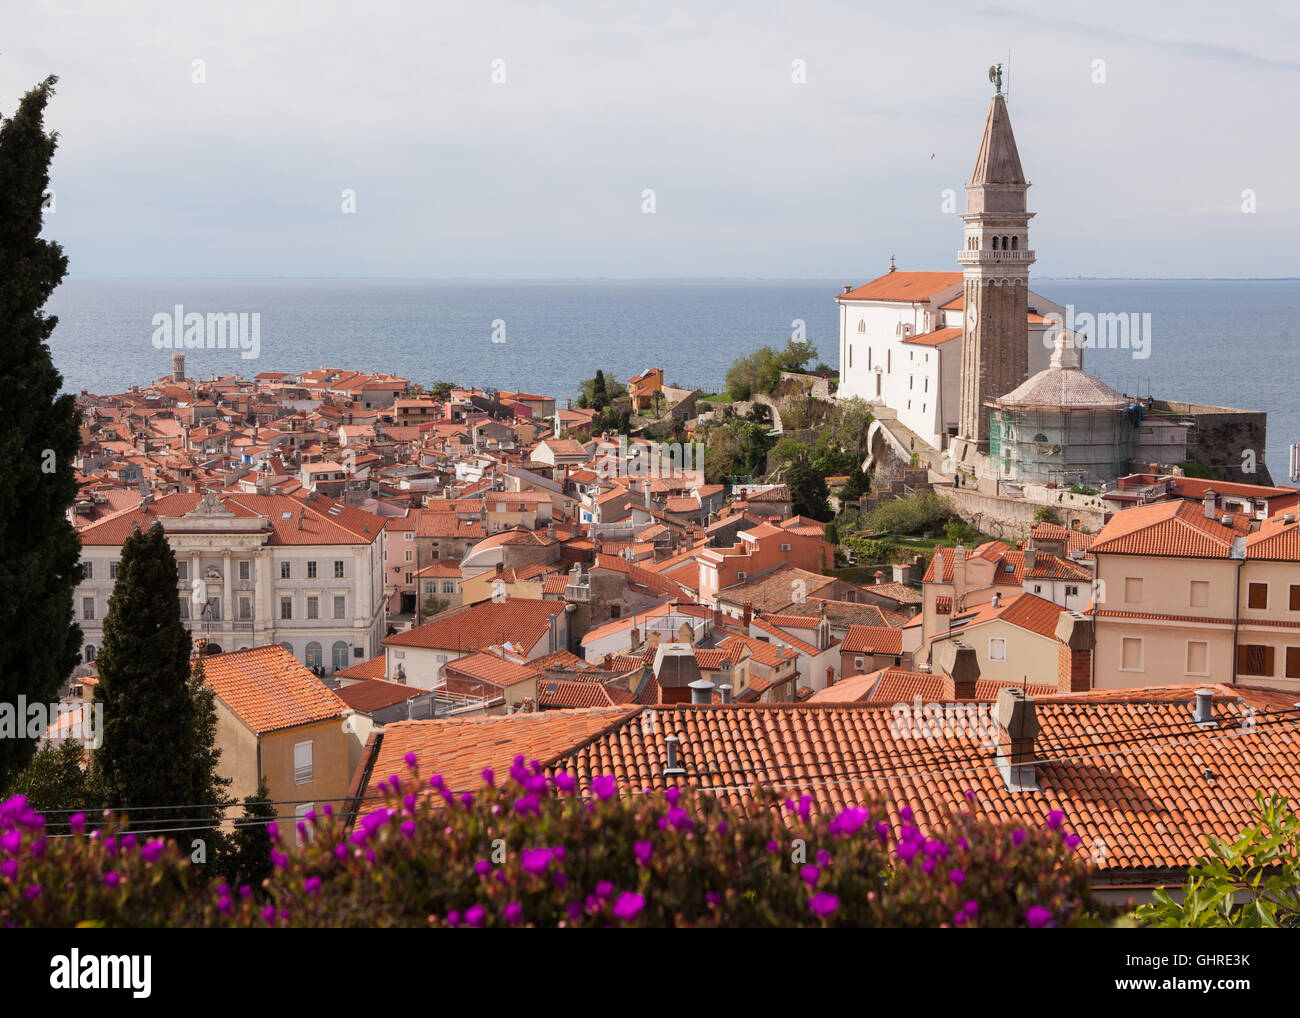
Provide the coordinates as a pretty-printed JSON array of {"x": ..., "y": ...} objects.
[{"x": 753, "y": 175}]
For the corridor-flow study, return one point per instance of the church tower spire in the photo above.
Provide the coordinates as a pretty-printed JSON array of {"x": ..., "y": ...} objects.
[{"x": 995, "y": 262}]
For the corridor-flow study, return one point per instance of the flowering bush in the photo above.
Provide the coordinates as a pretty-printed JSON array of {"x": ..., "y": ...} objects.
[{"x": 528, "y": 851}]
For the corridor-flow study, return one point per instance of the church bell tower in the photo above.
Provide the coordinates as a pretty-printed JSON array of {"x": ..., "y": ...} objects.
[{"x": 995, "y": 262}]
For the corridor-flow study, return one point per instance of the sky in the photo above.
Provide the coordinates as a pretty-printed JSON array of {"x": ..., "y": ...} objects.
[{"x": 1147, "y": 130}]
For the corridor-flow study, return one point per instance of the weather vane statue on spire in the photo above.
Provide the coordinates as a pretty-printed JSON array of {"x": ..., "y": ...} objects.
[{"x": 995, "y": 76}]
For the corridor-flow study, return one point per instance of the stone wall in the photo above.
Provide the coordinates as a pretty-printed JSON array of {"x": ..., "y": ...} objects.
[
  {"x": 1010, "y": 519},
  {"x": 1228, "y": 440}
]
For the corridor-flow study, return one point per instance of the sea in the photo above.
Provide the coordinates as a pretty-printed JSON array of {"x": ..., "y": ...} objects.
[{"x": 1225, "y": 342}]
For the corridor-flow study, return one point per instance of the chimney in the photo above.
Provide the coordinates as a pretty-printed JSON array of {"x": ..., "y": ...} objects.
[
  {"x": 1017, "y": 730},
  {"x": 501, "y": 568},
  {"x": 636, "y": 637},
  {"x": 724, "y": 691},
  {"x": 701, "y": 691},
  {"x": 1031, "y": 556},
  {"x": 550, "y": 530},
  {"x": 879, "y": 576},
  {"x": 1074, "y": 668},
  {"x": 958, "y": 573},
  {"x": 997, "y": 599},
  {"x": 1208, "y": 500},
  {"x": 674, "y": 764},
  {"x": 1203, "y": 712},
  {"x": 748, "y": 614},
  {"x": 960, "y": 667}
]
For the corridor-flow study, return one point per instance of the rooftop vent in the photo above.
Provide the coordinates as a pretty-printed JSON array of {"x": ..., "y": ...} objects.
[
  {"x": 674, "y": 765},
  {"x": 1289, "y": 518},
  {"x": 1203, "y": 712}
]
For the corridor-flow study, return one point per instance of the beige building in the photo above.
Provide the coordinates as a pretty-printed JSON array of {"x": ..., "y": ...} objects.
[{"x": 1186, "y": 593}]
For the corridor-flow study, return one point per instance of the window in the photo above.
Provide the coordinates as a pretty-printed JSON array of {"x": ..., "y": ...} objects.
[
  {"x": 338, "y": 569},
  {"x": 1198, "y": 657},
  {"x": 286, "y": 607},
  {"x": 182, "y": 571},
  {"x": 997, "y": 648},
  {"x": 449, "y": 586},
  {"x": 1293, "y": 662},
  {"x": 311, "y": 570},
  {"x": 1200, "y": 593},
  {"x": 288, "y": 647},
  {"x": 302, "y": 769},
  {"x": 1071, "y": 591},
  {"x": 340, "y": 605},
  {"x": 1133, "y": 590},
  {"x": 300, "y": 816},
  {"x": 408, "y": 536},
  {"x": 408, "y": 550},
  {"x": 90, "y": 571},
  {"x": 90, "y": 653},
  {"x": 185, "y": 607},
  {"x": 245, "y": 568},
  {"x": 1257, "y": 595},
  {"x": 785, "y": 547},
  {"x": 245, "y": 608},
  {"x": 408, "y": 578},
  {"x": 1254, "y": 659},
  {"x": 1131, "y": 654},
  {"x": 314, "y": 655},
  {"x": 313, "y": 607},
  {"x": 1038, "y": 588},
  {"x": 1295, "y": 597},
  {"x": 741, "y": 575},
  {"x": 284, "y": 570},
  {"x": 87, "y": 607}
]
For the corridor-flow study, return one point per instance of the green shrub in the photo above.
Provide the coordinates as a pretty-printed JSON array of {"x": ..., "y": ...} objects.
[
  {"x": 913, "y": 514},
  {"x": 529, "y": 852}
]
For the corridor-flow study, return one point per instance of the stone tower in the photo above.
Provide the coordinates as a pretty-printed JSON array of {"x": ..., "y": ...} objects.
[
  {"x": 178, "y": 367},
  {"x": 995, "y": 262}
]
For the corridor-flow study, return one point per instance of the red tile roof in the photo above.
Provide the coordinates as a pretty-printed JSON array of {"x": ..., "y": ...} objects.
[
  {"x": 268, "y": 689},
  {"x": 521, "y": 621},
  {"x": 909, "y": 287},
  {"x": 873, "y": 640}
]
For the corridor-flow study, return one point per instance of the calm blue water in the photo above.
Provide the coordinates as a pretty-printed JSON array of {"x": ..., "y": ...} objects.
[{"x": 1219, "y": 341}]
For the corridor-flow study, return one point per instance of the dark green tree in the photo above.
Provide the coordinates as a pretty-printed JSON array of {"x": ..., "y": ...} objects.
[
  {"x": 441, "y": 391},
  {"x": 248, "y": 860},
  {"x": 856, "y": 486},
  {"x": 150, "y": 726},
  {"x": 598, "y": 395},
  {"x": 807, "y": 490},
  {"x": 55, "y": 782},
  {"x": 39, "y": 550},
  {"x": 208, "y": 793}
]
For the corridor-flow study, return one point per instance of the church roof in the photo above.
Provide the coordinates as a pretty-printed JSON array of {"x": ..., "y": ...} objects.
[
  {"x": 998, "y": 161},
  {"x": 908, "y": 287},
  {"x": 1064, "y": 385}
]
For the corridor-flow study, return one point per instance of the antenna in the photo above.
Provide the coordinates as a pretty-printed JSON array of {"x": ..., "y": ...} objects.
[{"x": 1007, "y": 93}]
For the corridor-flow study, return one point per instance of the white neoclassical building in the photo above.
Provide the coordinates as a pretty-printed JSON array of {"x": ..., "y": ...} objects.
[{"x": 254, "y": 570}]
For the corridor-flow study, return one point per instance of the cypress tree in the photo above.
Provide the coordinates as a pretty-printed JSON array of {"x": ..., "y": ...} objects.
[
  {"x": 150, "y": 723},
  {"x": 207, "y": 793},
  {"x": 39, "y": 550}
]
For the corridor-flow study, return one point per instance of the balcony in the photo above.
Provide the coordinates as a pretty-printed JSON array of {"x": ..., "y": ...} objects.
[{"x": 994, "y": 257}]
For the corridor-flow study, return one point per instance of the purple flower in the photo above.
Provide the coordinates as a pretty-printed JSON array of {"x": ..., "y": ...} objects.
[
  {"x": 312, "y": 886},
  {"x": 128, "y": 842},
  {"x": 574, "y": 909},
  {"x": 565, "y": 782},
  {"x": 1018, "y": 837},
  {"x": 268, "y": 913},
  {"x": 561, "y": 881},
  {"x": 489, "y": 776},
  {"x": 907, "y": 849},
  {"x": 245, "y": 891},
  {"x": 279, "y": 859},
  {"x": 823, "y": 904},
  {"x": 340, "y": 851},
  {"x": 604, "y": 786},
  {"x": 528, "y": 804},
  {"x": 604, "y": 889},
  {"x": 1055, "y": 819},
  {"x": 536, "y": 783},
  {"x": 1072, "y": 841},
  {"x": 410, "y": 759},
  {"x": 273, "y": 831},
  {"x": 77, "y": 822},
  {"x": 482, "y": 867},
  {"x": 642, "y": 851},
  {"x": 628, "y": 905},
  {"x": 153, "y": 850},
  {"x": 536, "y": 860},
  {"x": 772, "y": 846},
  {"x": 10, "y": 840},
  {"x": 408, "y": 802},
  {"x": 375, "y": 819},
  {"x": 722, "y": 828},
  {"x": 712, "y": 898},
  {"x": 823, "y": 858},
  {"x": 513, "y": 913},
  {"x": 971, "y": 908},
  {"x": 928, "y": 865},
  {"x": 678, "y": 819},
  {"x": 112, "y": 879},
  {"x": 805, "y": 806},
  {"x": 970, "y": 794},
  {"x": 9, "y": 869},
  {"x": 224, "y": 905},
  {"x": 882, "y": 831},
  {"x": 32, "y": 891},
  {"x": 849, "y": 821},
  {"x": 1037, "y": 917},
  {"x": 810, "y": 874},
  {"x": 408, "y": 830},
  {"x": 467, "y": 799},
  {"x": 958, "y": 877},
  {"x": 474, "y": 915},
  {"x": 905, "y": 814},
  {"x": 672, "y": 795}
]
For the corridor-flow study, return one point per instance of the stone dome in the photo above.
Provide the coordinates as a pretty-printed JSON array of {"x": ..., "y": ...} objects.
[{"x": 1064, "y": 385}]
